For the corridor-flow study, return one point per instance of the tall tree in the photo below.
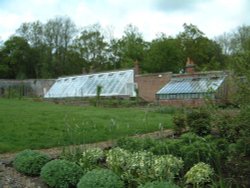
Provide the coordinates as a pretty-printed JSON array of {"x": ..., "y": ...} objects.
[
  {"x": 92, "y": 48},
  {"x": 164, "y": 54},
  {"x": 16, "y": 59},
  {"x": 206, "y": 53},
  {"x": 131, "y": 46},
  {"x": 58, "y": 34}
]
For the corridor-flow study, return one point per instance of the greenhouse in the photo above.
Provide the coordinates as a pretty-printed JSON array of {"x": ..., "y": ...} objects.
[
  {"x": 191, "y": 88},
  {"x": 118, "y": 83}
]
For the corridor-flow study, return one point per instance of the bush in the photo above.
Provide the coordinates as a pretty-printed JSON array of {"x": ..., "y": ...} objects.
[
  {"x": 100, "y": 178},
  {"x": 140, "y": 167},
  {"x": 30, "y": 162},
  {"x": 199, "y": 122},
  {"x": 90, "y": 158},
  {"x": 180, "y": 122},
  {"x": 196, "y": 149},
  {"x": 61, "y": 173},
  {"x": 199, "y": 174},
  {"x": 116, "y": 159},
  {"x": 136, "y": 144},
  {"x": 159, "y": 184}
]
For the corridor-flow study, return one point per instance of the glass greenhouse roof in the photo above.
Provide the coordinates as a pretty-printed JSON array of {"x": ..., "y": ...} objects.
[
  {"x": 192, "y": 85},
  {"x": 119, "y": 83}
]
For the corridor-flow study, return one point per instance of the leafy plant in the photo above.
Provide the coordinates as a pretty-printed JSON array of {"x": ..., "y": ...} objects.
[
  {"x": 100, "y": 178},
  {"x": 61, "y": 173},
  {"x": 159, "y": 184},
  {"x": 179, "y": 122},
  {"x": 199, "y": 122},
  {"x": 199, "y": 174},
  {"x": 116, "y": 159},
  {"x": 90, "y": 158},
  {"x": 30, "y": 162},
  {"x": 140, "y": 167}
]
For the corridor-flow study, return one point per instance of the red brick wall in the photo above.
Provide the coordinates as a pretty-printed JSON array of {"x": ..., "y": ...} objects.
[
  {"x": 189, "y": 102},
  {"x": 149, "y": 84}
]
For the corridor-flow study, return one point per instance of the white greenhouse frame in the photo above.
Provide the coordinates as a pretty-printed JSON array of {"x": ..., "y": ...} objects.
[{"x": 118, "y": 83}]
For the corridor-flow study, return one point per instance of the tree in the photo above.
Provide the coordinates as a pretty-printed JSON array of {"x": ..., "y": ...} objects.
[
  {"x": 58, "y": 35},
  {"x": 16, "y": 60},
  {"x": 206, "y": 53},
  {"x": 131, "y": 46},
  {"x": 92, "y": 48},
  {"x": 164, "y": 54}
]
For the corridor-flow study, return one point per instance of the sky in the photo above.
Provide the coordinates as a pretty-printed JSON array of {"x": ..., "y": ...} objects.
[{"x": 213, "y": 17}]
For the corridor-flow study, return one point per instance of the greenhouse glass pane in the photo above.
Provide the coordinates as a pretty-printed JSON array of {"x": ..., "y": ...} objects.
[{"x": 113, "y": 83}]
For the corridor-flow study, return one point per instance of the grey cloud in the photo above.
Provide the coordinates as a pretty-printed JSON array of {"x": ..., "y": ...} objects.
[{"x": 176, "y": 5}]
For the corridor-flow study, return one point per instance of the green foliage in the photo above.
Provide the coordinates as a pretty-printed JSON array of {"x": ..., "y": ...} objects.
[
  {"x": 190, "y": 147},
  {"x": 30, "y": 162},
  {"x": 162, "y": 53},
  {"x": 61, "y": 174},
  {"x": 98, "y": 94},
  {"x": 116, "y": 159},
  {"x": 140, "y": 167},
  {"x": 135, "y": 144},
  {"x": 91, "y": 158},
  {"x": 159, "y": 184},
  {"x": 100, "y": 178},
  {"x": 199, "y": 122},
  {"x": 199, "y": 174},
  {"x": 179, "y": 123},
  {"x": 206, "y": 53}
]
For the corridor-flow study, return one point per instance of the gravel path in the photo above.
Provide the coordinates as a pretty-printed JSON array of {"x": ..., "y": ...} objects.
[{"x": 10, "y": 178}]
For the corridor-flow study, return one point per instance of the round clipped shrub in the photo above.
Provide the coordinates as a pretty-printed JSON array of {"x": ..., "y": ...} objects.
[
  {"x": 61, "y": 173},
  {"x": 199, "y": 174},
  {"x": 159, "y": 184},
  {"x": 100, "y": 178},
  {"x": 30, "y": 162}
]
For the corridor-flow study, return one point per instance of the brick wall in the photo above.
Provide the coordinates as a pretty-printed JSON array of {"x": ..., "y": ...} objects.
[{"x": 149, "y": 84}]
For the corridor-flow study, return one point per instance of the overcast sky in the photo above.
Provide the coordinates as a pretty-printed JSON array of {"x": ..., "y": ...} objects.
[{"x": 213, "y": 17}]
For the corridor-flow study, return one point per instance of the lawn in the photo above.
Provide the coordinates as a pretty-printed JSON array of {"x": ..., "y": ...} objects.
[{"x": 28, "y": 124}]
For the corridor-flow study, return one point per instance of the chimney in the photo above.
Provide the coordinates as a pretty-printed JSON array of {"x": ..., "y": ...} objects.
[
  {"x": 136, "y": 67},
  {"x": 189, "y": 69}
]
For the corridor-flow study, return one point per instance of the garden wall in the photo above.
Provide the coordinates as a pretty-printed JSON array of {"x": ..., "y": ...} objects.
[{"x": 30, "y": 87}]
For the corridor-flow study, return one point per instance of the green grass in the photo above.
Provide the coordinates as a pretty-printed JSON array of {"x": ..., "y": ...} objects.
[{"x": 28, "y": 124}]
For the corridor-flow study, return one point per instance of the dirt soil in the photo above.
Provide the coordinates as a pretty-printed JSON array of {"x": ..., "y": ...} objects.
[{"x": 10, "y": 178}]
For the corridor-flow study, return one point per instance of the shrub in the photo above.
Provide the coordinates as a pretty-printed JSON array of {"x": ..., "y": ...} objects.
[
  {"x": 195, "y": 149},
  {"x": 61, "y": 173},
  {"x": 140, "y": 167},
  {"x": 100, "y": 178},
  {"x": 136, "y": 144},
  {"x": 179, "y": 123},
  {"x": 199, "y": 174},
  {"x": 30, "y": 162},
  {"x": 116, "y": 159},
  {"x": 199, "y": 122},
  {"x": 90, "y": 158},
  {"x": 159, "y": 184}
]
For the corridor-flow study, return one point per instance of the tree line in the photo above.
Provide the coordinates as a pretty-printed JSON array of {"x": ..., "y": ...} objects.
[{"x": 58, "y": 47}]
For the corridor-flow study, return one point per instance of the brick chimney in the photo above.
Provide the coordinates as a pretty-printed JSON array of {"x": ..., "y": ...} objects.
[
  {"x": 189, "y": 69},
  {"x": 136, "y": 67}
]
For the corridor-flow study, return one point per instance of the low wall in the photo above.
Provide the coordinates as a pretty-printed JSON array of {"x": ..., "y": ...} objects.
[
  {"x": 31, "y": 87},
  {"x": 190, "y": 102}
]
